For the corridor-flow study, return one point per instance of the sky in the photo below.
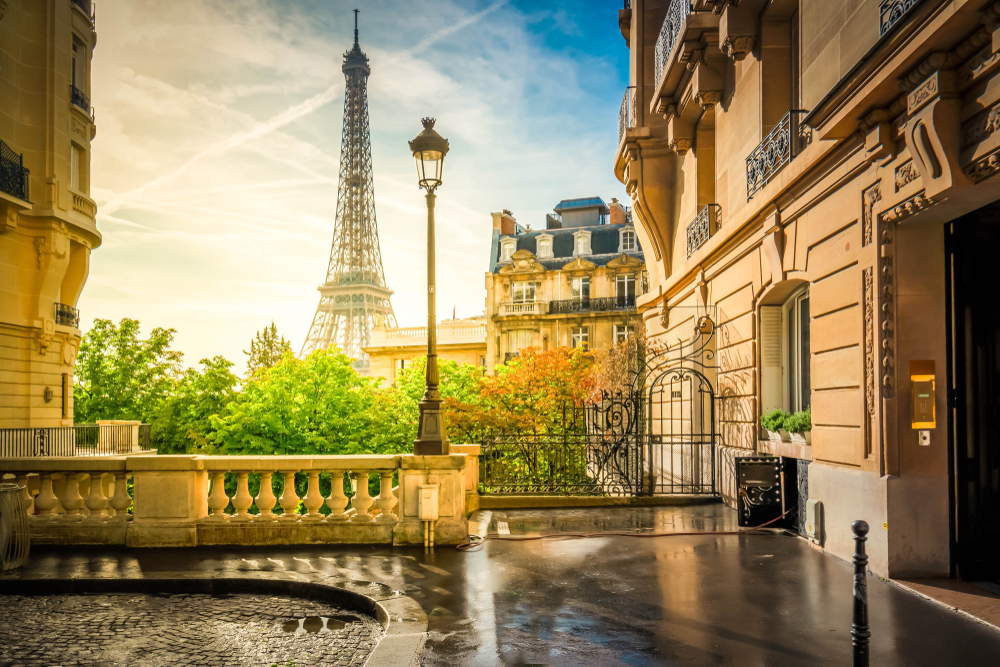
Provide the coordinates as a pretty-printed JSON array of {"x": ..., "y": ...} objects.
[{"x": 216, "y": 159}]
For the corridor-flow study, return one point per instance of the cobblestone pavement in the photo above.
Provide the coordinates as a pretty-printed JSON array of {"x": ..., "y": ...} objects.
[{"x": 140, "y": 630}]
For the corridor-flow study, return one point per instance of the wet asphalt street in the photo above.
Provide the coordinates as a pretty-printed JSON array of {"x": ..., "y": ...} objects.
[{"x": 692, "y": 600}]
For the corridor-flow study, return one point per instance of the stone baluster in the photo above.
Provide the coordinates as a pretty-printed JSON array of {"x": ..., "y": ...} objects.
[
  {"x": 242, "y": 500},
  {"x": 385, "y": 501},
  {"x": 337, "y": 501},
  {"x": 362, "y": 500},
  {"x": 265, "y": 497},
  {"x": 121, "y": 500},
  {"x": 218, "y": 501},
  {"x": 314, "y": 499},
  {"x": 96, "y": 501},
  {"x": 26, "y": 500},
  {"x": 289, "y": 501},
  {"x": 46, "y": 501},
  {"x": 71, "y": 499}
]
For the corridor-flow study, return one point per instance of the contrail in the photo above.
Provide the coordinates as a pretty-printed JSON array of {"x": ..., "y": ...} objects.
[
  {"x": 451, "y": 30},
  {"x": 268, "y": 126}
]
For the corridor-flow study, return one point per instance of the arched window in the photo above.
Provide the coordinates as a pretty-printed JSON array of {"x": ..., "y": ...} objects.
[
  {"x": 544, "y": 246},
  {"x": 507, "y": 248},
  {"x": 628, "y": 242}
]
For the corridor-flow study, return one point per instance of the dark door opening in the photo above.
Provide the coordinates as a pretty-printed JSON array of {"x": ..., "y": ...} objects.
[{"x": 973, "y": 241}]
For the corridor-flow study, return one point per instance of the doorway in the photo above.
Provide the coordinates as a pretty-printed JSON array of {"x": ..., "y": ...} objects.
[{"x": 974, "y": 275}]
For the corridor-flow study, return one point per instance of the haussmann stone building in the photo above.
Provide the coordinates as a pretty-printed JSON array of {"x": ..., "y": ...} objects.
[{"x": 819, "y": 178}]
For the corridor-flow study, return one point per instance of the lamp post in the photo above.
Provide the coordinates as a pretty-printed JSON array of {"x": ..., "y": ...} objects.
[{"x": 429, "y": 149}]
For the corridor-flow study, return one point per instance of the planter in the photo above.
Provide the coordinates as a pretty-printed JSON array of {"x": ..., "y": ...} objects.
[
  {"x": 778, "y": 436},
  {"x": 802, "y": 438}
]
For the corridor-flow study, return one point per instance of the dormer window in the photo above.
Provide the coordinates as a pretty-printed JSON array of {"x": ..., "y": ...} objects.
[
  {"x": 507, "y": 249},
  {"x": 581, "y": 244},
  {"x": 627, "y": 240},
  {"x": 544, "y": 246}
]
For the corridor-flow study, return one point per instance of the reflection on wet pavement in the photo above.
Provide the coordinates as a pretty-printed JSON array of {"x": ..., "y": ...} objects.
[{"x": 690, "y": 600}]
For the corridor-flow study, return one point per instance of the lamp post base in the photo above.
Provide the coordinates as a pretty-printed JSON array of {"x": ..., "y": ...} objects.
[{"x": 431, "y": 438}]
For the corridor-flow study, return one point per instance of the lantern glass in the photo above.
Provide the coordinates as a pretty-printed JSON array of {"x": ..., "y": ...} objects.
[{"x": 430, "y": 164}]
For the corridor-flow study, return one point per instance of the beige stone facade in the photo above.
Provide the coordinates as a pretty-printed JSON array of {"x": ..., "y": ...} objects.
[
  {"x": 797, "y": 169},
  {"x": 391, "y": 350},
  {"x": 47, "y": 218},
  {"x": 572, "y": 284}
]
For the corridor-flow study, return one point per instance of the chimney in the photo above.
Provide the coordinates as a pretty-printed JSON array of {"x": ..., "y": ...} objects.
[
  {"x": 505, "y": 222},
  {"x": 619, "y": 214}
]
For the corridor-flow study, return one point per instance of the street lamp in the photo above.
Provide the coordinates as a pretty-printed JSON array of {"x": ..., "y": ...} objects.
[{"x": 429, "y": 149}]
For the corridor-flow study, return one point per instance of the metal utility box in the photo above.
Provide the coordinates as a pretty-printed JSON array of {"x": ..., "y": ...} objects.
[
  {"x": 814, "y": 520},
  {"x": 427, "y": 506},
  {"x": 760, "y": 489}
]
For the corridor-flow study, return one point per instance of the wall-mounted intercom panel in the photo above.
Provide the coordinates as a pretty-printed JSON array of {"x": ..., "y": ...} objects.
[{"x": 922, "y": 388}]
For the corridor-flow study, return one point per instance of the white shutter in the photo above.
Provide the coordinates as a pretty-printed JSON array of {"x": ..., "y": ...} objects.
[{"x": 771, "y": 394}]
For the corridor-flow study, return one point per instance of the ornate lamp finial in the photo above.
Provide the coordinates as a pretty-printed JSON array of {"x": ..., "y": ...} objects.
[{"x": 428, "y": 123}]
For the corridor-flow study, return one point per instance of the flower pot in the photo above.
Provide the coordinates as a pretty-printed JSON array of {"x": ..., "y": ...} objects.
[
  {"x": 785, "y": 435},
  {"x": 773, "y": 436},
  {"x": 802, "y": 438}
]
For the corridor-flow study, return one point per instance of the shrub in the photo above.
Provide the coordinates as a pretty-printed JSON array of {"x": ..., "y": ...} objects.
[
  {"x": 800, "y": 422},
  {"x": 774, "y": 420}
]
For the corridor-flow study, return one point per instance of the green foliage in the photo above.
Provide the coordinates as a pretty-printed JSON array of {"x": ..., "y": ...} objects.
[
  {"x": 183, "y": 422},
  {"x": 800, "y": 422},
  {"x": 774, "y": 420},
  {"x": 266, "y": 349},
  {"x": 122, "y": 376}
]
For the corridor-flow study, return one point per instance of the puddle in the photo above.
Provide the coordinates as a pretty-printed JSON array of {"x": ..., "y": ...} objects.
[{"x": 316, "y": 624}]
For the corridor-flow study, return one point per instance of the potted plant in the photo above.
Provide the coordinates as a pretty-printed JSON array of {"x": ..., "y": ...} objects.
[
  {"x": 773, "y": 422},
  {"x": 799, "y": 426}
]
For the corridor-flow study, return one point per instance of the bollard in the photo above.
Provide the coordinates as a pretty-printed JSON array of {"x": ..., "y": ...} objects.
[{"x": 859, "y": 629}]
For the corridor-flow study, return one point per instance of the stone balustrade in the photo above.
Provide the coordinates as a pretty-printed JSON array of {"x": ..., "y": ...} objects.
[{"x": 183, "y": 500}]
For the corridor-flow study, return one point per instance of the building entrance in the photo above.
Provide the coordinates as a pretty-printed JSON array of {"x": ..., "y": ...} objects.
[{"x": 974, "y": 274}]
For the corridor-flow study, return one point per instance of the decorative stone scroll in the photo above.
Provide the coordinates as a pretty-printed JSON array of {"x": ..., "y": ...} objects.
[
  {"x": 868, "y": 280},
  {"x": 869, "y": 198}
]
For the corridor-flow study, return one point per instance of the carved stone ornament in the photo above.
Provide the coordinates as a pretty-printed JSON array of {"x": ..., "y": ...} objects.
[
  {"x": 44, "y": 341},
  {"x": 933, "y": 133},
  {"x": 980, "y": 126},
  {"x": 682, "y": 146},
  {"x": 887, "y": 322},
  {"x": 905, "y": 209},
  {"x": 983, "y": 168},
  {"x": 869, "y": 198},
  {"x": 623, "y": 261},
  {"x": 522, "y": 261},
  {"x": 579, "y": 264},
  {"x": 905, "y": 173},
  {"x": 869, "y": 296},
  {"x": 708, "y": 98},
  {"x": 738, "y": 47}
]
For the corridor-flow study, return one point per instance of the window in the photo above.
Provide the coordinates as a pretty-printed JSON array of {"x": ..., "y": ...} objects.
[
  {"x": 580, "y": 290},
  {"x": 544, "y": 246},
  {"x": 625, "y": 289},
  {"x": 519, "y": 339},
  {"x": 524, "y": 292},
  {"x": 402, "y": 364},
  {"x": 581, "y": 243},
  {"x": 784, "y": 359},
  {"x": 74, "y": 166},
  {"x": 580, "y": 337},
  {"x": 73, "y": 70},
  {"x": 622, "y": 333},
  {"x": 628, "y": 240},
  {"x": 507, "y": 248}
]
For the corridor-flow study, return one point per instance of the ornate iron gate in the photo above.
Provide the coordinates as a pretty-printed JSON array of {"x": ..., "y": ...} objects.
[{"x": 658, "y": 437}]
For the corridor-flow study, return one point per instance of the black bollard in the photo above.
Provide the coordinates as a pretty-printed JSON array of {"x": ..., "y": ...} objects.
[{"x": 859, "y": 629}]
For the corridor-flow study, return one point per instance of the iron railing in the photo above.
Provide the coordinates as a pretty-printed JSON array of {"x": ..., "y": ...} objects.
[
  {"x": 601, "y": 304},
  {"x": 76, "y": 440},
  {"x": 79, "y": 98},
  {"x": 67, "y": 315},
  {"x": 627, "y": 115},
  {"x": 13, "y": 176},
  {"x": 672, "y": 23},
  {"x": 776, "y": 150},
  {"x": 891, "y": 11},
  {"x": 88, "y": 8},
  {"x": 700, "y": 229}
]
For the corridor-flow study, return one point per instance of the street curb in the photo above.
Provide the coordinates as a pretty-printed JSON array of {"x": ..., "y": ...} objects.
[
  {"x": 942, "y": 604},
  {"x": 402, "y": 618}
]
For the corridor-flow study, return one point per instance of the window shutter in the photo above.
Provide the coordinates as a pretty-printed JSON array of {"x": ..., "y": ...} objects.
[
  {"x": 74, "y": 167},
  {"x": 771, "y": 395}
]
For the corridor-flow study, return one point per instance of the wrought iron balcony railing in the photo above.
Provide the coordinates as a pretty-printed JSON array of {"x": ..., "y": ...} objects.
[
  {"x": 672, "y": 22},
  {"x": 700, "y": 229},
  {"x": 890, "y": 12},
  {"x": 776, "y": 150},
  {"x": 593, "y": 305},
  {"x": 67, "y": 315},
  {"x": 79, "y": 98},
  {"x": 627, "y": 115},
  {"x": 13, "y": 175},
  {"x": 87, "y": 7}
]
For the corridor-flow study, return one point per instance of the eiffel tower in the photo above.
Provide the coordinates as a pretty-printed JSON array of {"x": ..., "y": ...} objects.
[{"x": 354, "y": 298}]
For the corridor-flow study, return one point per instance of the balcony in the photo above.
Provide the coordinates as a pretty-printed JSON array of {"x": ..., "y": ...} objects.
[
  {"x": 669, "y": 32},
  {"x": 778, "y": 148},
  {"x": 512, "y": 308},
  {"x": 595, "y": 305},
  {"x": 451, "y": 332},
  {"x": 87, "y": 7},
  {"x": 106, "y": 438},
  {"x": 13, "y": 176},
  {"x": 702, "y": 227},
  {"x": 627, "y": 115},
  {"x": 80, "y": 99},
  {"x": 890, "y": 12},
  {"x": 67, "y": 315}
]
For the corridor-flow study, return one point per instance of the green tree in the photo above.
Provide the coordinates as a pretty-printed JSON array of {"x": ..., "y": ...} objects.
[
  {"x": 122, "y": 376},
  {"x": 183, "y": 422},
  {"x": 266, "y": 350},
  {"x": 460, "y": 386}
]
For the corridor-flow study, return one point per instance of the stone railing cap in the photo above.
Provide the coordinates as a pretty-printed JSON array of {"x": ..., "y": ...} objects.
[
  {"x": 176, "y": 462},
  {"x": 297, "y": 463},
  {"x": 63, "y": 464},
  {"x": 446, "y": 462},
  {"x": 470, "y": 450}
]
